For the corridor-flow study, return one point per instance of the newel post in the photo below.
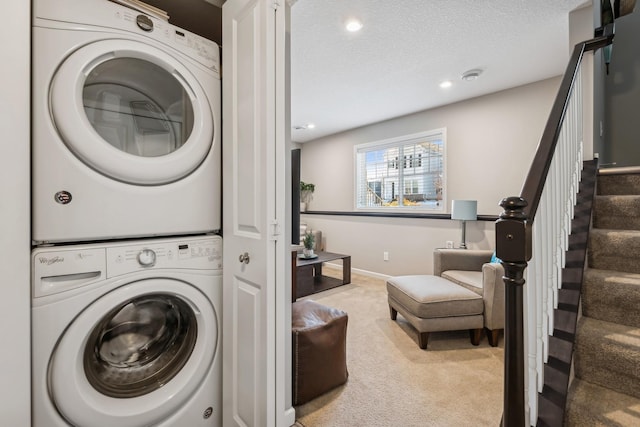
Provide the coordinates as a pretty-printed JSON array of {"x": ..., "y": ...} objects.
[{"x": 513, "y": 247}]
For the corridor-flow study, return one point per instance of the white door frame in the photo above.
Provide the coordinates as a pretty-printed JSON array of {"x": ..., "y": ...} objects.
[
  {"x": 256, "y": 223},
  {"x": 285, "y": 413}
]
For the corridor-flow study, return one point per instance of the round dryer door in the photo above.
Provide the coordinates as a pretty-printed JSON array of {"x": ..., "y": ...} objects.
[
  {"x": 134, "y": 356},
  {"x": 132, "y": 112}
]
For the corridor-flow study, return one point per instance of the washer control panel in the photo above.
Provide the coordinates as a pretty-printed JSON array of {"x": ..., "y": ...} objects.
[
  {"x": 59, "y": 269},
  {"x": 197, "y": 253}
]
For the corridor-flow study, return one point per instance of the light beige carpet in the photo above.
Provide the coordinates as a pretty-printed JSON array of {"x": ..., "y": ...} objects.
[{"x": 392, "y": 382}]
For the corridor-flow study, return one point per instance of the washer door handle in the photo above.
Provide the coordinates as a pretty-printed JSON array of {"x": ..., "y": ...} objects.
[{"x": 244, "y": 258}]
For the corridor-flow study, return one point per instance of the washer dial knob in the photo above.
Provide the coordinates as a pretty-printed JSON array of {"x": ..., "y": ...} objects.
[{"x": 147, "y": 257}]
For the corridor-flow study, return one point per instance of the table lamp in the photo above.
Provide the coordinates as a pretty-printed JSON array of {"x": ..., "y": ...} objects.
[{"x": 464, "y": 210}]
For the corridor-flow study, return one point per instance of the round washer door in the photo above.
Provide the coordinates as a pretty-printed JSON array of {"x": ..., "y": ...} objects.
[
  {"x": 134, "y": 356},
  {"x": 132, "y": 112}
]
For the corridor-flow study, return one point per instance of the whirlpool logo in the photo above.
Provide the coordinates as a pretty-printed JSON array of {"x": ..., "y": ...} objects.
[{"x": 51, "y": 261}]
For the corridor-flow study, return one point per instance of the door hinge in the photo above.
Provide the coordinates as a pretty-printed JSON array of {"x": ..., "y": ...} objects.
[{"x": 274, "y": 229}]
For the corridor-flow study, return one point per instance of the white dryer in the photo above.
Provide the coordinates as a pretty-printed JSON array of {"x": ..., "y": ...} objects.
[
  {"x": 127, "y": 334},
  {"x": 126, "y": 125}
]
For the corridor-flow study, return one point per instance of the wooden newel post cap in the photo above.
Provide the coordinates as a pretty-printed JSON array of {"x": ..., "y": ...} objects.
[{"x": 512, "y": 233}]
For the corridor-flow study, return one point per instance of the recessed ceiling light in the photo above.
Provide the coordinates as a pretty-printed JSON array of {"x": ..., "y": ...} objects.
[
  {"x": 310, "y": 126},
  {"x": 471, "y": 75},
  {"x": 353, "y": 25},
  {"x": 445, "y": 84}
]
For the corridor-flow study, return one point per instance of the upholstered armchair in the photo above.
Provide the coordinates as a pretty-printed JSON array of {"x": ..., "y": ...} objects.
[{"x": 473, "y": 270}]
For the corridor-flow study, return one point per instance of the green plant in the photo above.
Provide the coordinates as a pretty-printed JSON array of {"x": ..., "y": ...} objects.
[
  {"x": 308, "y": 240},
  {"x": 306, "y": 191},
  {"x": 307, "y": 186}
]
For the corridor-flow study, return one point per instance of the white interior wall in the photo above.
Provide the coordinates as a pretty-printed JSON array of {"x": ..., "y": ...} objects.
[
  {"x": 490, "y": 144},
  {"x": 15, "y": 360},
  {"x": 409, "y": 242}
]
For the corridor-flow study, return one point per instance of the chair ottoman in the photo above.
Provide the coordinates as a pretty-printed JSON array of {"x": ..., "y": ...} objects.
[
  {"x": 432, "y": 303},
  {"x": 319, "y": 341}
]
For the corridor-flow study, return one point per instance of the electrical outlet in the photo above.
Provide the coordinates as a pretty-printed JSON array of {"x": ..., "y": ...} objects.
[
  {"x": 385, "y": 256},
  {"x": 449, "y": 244}
]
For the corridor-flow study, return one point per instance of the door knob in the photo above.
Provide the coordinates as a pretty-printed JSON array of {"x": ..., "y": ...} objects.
[{"x": 244, "y": 258}]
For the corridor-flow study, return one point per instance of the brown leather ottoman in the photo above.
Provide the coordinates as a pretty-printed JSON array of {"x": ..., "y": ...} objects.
[{"x": 319, "y": 341}]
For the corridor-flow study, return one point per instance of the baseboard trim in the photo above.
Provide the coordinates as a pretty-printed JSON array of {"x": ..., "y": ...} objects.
[
  {"x": 289, "y": 417},
  {"x": 368, "y": 273}
]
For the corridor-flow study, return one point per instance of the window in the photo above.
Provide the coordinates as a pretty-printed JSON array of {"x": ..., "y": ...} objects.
[{"x": 405, "y": 173}]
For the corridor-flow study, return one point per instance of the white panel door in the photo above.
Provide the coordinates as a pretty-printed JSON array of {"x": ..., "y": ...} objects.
[{"x": 253, "y": 206}]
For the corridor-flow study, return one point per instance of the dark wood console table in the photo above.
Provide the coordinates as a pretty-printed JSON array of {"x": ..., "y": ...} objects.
[{"x": 308, "y": 278}]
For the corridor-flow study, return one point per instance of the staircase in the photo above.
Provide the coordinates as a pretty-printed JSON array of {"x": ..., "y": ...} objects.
[{"x": 605, "y": 390}]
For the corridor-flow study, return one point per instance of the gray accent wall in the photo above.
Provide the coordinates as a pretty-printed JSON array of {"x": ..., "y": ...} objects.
[
  {"x": 581, "y": 27},
  {"x": 622, "y": 96},
  {"x": 490, "y": 143},
  {"x": 599, "y": 81}
]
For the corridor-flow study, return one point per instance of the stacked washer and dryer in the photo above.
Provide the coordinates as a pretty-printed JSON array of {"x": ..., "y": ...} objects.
[{"x": 126, "y": 206}]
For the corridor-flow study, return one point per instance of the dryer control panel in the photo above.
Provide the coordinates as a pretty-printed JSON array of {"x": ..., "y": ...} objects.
[
  {"x": 110, "y": 16},
  {"x": 203, "y": 50}
]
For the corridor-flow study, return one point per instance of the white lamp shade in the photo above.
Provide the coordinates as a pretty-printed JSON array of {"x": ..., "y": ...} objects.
[{"x": 465, "y": 210}]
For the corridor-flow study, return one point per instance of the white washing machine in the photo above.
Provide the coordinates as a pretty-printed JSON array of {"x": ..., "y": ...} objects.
[
  {"x": 126, "y": 125},
  {"x": 127, "y": 334}
]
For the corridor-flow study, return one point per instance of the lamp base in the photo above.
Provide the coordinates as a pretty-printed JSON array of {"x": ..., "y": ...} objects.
[{"x": 463, "y": 245}]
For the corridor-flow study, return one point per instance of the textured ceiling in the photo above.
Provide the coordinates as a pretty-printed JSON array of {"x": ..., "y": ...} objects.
[{"x": 394, "y": 65}]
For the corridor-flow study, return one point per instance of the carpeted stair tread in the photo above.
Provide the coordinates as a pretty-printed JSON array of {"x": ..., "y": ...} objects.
[
  {"x": 607, "y": 355},
  {"x": 591, "y": 405},
  {"x": 619, "y": 184},
  {"x": 605, "y": 390},
  {"x": 611, "y": 296},
  {"x": 617, "y": 212},
  {"x": 617, "y": 250}
]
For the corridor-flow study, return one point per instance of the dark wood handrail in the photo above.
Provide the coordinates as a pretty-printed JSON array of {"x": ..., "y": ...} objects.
[
  {"x": 514, "y": 235},
  {"x": 534, "y": 183}
]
